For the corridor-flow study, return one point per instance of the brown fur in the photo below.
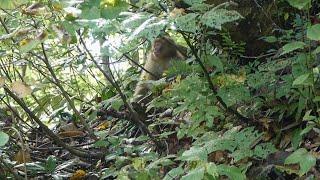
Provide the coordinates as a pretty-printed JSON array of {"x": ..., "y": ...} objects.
[{"x": 162, "y": 52}]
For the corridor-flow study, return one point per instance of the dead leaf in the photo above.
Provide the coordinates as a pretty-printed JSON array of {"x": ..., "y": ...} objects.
[
  {"x": 68, "y": 134},
  {"x": 22, "y": 157},
  {"x": 218, "y": 157},
  {"x": 285, "y": 141},
  {"x": 68, "y": 127},
  {"x": 62, "y": 34},
  {"x": 104, "y": 125},
  {"x": 78, "y": 175},
  {"x": 34, "y": 9},
  {"x": 21, "y": 89},
  {"x": 2, "y": 80}
]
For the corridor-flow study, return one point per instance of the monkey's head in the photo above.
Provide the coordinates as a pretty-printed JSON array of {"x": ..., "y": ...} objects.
[{"x": 164, "y": 48}]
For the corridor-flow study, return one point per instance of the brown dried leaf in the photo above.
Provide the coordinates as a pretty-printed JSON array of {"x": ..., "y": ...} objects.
[
  {"x": 2, "y": 80},
  {"x": 22, "y": 157},
  {"x": 78, "y": 175},
  {"x": 67, "y": 134}
]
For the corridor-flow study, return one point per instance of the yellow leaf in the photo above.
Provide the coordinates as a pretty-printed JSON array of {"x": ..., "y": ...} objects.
[
  {"x": 78, "y": 175},
  {"x": 22, "y": 157},
  {"x": 24, "y": 42},
  {"x": 21, "y": 89},
  {"x": 109, "y": 2},
  {"x": 103, "y": 125}
]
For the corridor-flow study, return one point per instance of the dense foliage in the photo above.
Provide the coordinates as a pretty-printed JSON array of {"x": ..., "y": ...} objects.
[{"x": 245, "y": 104}]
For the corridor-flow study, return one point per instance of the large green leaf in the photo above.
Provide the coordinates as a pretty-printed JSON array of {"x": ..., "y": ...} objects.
[
  {"x": 174, "y": 173},
  {"x": 194, "y": 154},
  {"x": 187, "y": 22},
  {"x": 231, "y": 171},
  {"x": 215, "y": 18},
  {"x": 90, "y": 9},
  {"x": 197, "y": 173},
  {"x": 302, "y": 157},
  {"x": 150, "y": 29},
  {"x": 292, "y": 46},
  {"x": 300, "y": 4},
  {"x": 313, "y": 32},
  {"x": 11, "y": 4},
  {"x": 112, "y": 11},
  {"x": 303, "y": 80}
]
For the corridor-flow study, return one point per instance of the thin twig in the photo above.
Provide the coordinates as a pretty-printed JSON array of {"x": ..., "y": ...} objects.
[
  {"x": 214, "y": 90},
  {"x": 135, "y": 116}
]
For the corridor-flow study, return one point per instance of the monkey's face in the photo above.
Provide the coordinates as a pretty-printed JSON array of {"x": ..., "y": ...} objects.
[{"x": 163, "y": 48}]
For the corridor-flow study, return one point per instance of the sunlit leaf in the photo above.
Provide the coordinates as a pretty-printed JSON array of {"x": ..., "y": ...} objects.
[
  {"x": 10, "y": 4},
  {"x": 194, "y": 153},
  {"x": 217, "y": 17},
  {"x": 292, "y": 46},
  {"x": 303, "y": 80}
]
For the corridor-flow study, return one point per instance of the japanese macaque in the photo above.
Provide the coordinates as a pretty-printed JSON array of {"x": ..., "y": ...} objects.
[{"x": 163, "y": 50}]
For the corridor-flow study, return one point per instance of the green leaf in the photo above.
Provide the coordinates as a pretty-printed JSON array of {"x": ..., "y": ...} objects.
[
  {"x": 4, "y": 138},
  {"x": 197, "y": 173},
  {"x": 303, "y": 80},
  {"x": 308, "y": 117},
  {"x": 212, "y": 169},
  {"x": 215, "y": 18},
  {"x": 234, "y": 94},
  {"x": 149, "y": 29},
  {"x": 174, "y": 173},
  {"x": 307, "y": 129},
  {"x": 111, "y": 12},
  {"x": 300, "y": 4},
  {"x": 192, "y": 2},
  {"x": 292, "y": 47},
  {"x": 302, "y": 157},
  {"x": 90, "y": 9},
  {"x": 264, "y": 149},
  {"x": 29, "y": 45},
  {"x": 270, "y": 39},
  {"x": 313, "y": 32},
  {"x": 296, "y": 138},
  {"x": 51, "y": 164},
  {"x": 11, "y": 4},
  {"x": 216, "y": 62},
  {"x": 231, "y": 171},
  {"x": 194, "y": 154},
  {"x": 187, "y": 22},
  {"x": 316, "y": 51}
]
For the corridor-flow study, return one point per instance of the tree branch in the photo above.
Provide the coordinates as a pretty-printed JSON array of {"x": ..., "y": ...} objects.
[{"x": 214, "y": 90}]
